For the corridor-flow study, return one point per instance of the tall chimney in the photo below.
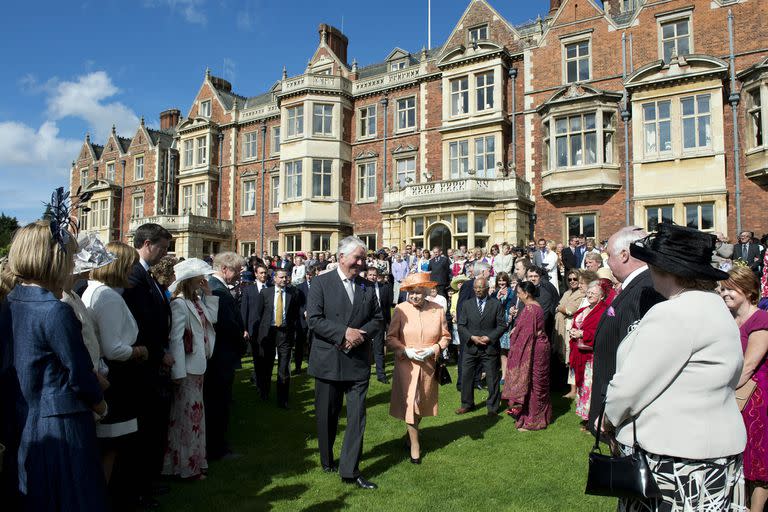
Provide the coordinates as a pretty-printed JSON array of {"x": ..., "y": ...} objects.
[
  {"x": 554, "y": 5},
  {"x": 169, "y": 118},
  {"x": 335, "y": 40}
]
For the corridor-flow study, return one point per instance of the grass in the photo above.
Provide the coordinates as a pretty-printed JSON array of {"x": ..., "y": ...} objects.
[{"x": 470, "y": 462}]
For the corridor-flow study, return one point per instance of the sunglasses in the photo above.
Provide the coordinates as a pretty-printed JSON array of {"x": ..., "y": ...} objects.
[{"x": 572, "y": 279}]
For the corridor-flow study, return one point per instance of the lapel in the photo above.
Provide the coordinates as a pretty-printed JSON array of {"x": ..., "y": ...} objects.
[
  {"x": 153, "y": 287},
  {"x": 193, "y": 311}
]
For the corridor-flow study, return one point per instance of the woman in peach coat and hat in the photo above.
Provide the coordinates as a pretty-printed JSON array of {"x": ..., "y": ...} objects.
[{"x": 417, "y": 334}]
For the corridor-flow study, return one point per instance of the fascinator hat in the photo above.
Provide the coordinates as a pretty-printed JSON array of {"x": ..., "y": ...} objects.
[
  {"x": 679, "y": 250},
  {"x": 91, "y": 253},
  {"x": 193, "y": 267}
]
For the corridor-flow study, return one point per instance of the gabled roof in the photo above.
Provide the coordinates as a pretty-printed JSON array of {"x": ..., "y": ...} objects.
[
  {"x": 397, "y": 53},
  {"x": 755, "y": 69},
  {"x": 381, "y": 68},
  {"x": 162, "y": 136},
  {"x": 575, "y": 93},
  {"x": 97, "y": 151},
  {"x": 125, "y": 143}
]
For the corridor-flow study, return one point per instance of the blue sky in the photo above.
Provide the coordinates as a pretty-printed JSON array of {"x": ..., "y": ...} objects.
[{"x": 72, "y": 67}]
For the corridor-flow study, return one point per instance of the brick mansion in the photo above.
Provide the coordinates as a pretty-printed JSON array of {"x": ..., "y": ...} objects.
[{"x": 595, "y": 115}]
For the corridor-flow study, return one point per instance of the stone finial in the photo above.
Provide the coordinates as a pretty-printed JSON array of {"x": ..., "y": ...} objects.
[
  {"x": 285, "y": 73},
  {"x": 207, "y": 73},
  {"x": 423, "y": 53},
  {"x": 142, "y": 120},
  {"x": 354, "y": 65},
  {"x": 87, "y": 137},
  {"x": 235, "y": 104},
  {"x": 324, "y": 36},
  {"x": 114, "y": 130}
]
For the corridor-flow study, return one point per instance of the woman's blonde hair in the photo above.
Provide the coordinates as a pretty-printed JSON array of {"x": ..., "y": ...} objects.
[
  {"x": 188, "y": 288},
  {"x": 7, "y": 279},
  {"x": 36, "y": 257},
  {"x": 116, "y": 273}
]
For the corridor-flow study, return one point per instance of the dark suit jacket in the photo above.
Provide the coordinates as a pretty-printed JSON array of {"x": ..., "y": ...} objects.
[
  {"x": 248, "y": 299},
  {"x": 628, "y": 307},
  {"x": 265, "y": 311},
  {"x": 152, "y": 313},
  {"x": 302, "y": 296},
  {"x": 386, "y": 297},
  {"x": 440, "y": 269},
  {"x": 753, "y": 251},
  {"x": 329, "y": 313},
  {"x": 548, "y": 299},
  {"x": 230, "y": 345},
  {"x": 467, "y": 291},
  {"x": 491, "y": 323},
  {"x": 286, "y": 264},
  {"x": 569, "y": 258}
]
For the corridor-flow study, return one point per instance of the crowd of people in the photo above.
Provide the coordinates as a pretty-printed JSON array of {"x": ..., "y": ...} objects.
[{"x": 118, "y": 361}]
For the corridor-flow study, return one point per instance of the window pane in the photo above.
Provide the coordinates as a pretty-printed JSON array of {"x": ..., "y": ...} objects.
[
  {"x": 461, "y": 223},
  {"x": 666, "y": 213},
  {"x": 687, "y": 104},
  {"x": 591, "y": 142},
  {"x": 692, "y": 216},
  {"x": 649, "y": 111},
  {"x": 577, "y": 157},
  {"x": 575, "y": 123},
  {"x": 572, "y": 71},
  {"x": 705, "y": 136},
  {"x": 668, "y": 31},
  {"x": 689, "y": 132},
  {"x": 664, "y": 109},
  {"x": 584, "y": 48},
  {"x": 650, "y": 138},
  {"x": 665, "y": 136},
  {"x": 562, "y": 152},
  {"x": 584, "y": 69},
  {"x": 682, "y": 28},
  {"x": 570, "y": 51},
  {"x": 574, "y": 226},
  {"x": 562, "y": 125},
  {"x": 418, "y": 226},
  {"x": 480, "y": 223},
  {"x": 589, "y": 122},
  {"x": 669, "y": 46},
  {"x": 707, "y": 216},
  {"x": 588, "y": 225}
]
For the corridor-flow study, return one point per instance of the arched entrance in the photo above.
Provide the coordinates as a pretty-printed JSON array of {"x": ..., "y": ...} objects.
[{"x": 439, "y": 234}]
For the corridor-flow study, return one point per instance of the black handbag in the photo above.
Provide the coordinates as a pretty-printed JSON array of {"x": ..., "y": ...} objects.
[
  {"x": 626, "y": 476},
  {"x": 441, "y": 372}
]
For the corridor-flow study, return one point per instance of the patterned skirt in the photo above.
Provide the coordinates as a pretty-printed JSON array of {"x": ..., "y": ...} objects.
[
  {"x": 185, "y": 455},
  {"x": 692, "y": 485},
  {"x": 584, "y": 393}
]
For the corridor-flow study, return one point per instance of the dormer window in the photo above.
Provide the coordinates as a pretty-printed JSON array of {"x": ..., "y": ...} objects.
[
  {"x": 205, "y": 108},
  {"x": 479, "y": 33},
  {"x": 397, "y": 66}
]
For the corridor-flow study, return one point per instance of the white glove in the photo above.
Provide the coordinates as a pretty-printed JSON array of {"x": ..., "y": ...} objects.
[
  {"x": 424, "y": 354},
  {"x": 410, "y": 353}
]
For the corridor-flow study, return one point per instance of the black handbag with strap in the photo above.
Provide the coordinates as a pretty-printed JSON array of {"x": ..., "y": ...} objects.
[
  {"x": 625, "y": 476},
  {"x": 441, "y": 372}
]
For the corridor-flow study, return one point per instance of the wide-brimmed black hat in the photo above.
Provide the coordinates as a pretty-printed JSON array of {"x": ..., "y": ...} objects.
[{"x": 685, "y": 252}]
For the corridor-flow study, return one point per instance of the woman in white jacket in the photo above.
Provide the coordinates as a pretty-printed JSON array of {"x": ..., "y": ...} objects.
[{"x": 193, "y": 313}]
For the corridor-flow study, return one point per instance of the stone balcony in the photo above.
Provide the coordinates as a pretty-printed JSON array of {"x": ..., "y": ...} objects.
[
  {"x": 315, "y": 83},
  {"x": 568, "y": 183},
  {"x": 474, "y": 190},
  {"x": 186, "y": 223},
  {"x": 757, "y": 166}
]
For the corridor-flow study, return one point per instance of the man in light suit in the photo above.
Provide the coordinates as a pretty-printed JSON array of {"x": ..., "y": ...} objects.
[
  {"x": 748, "y": 251},
  {"x": 277, "y": 313},
  {"x": 227, "y": 351},
  {"x": 384, "y": 295},
  {"x": 540, "y": 253},
  {"x": 343, "y": 316},
  {"x": 481, "y": 323},
  {"x": 635, "y": 298}
]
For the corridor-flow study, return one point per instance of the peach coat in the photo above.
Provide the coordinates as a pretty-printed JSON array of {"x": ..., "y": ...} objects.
[{"x": 414, "y": 386}]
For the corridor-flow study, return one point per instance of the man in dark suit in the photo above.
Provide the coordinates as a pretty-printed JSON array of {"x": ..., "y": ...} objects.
[
  {"x": 384, "y": 295},
  {"x": 481, "y": 323},
  {"x": 229, "y": 348},
  {"x": 748, "y": 251},
  {"x": 569, "y": 254},
  {"x": 634, "y": 299},
  {"x": 440, "y": 270},
  {"x": 277, "y": 311},
  {"x": 581, "y": 249},
  {"x": 286, "y": 262},
  {"x": 548, "y": 297},
  {"x": 152, "y": 313},
  {"x": 343, "y": 316},
  {"x": 467, "y": 292},
  {"x": 301, "y": 331},
  {"x": 248, "y": 299}
]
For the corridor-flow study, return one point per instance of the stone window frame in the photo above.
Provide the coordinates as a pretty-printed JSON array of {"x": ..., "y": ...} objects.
[
  {"x": 202, "y": 150},
  {"x": 187, "y": 202},
  {"x": 84, "y": 176},
  {"x": 322, "y": 175},
  {"x": 294, "y": 120},
  {"x": 205, "y": 108},
  {"x": 576, "y": 39},
  {"x": 110, "y": 171},
  {"x": 134, "y": 202},
  {"x": 366, "y": 237},
  {"x": 188, "y": 152},
  {"x": 398, "y": 65},
  {"x": 250, "y": 145},
  {"x": 459, "y": 92},
  {"x": 297, "y": 178},
  {"x": 200, "y": 199},
  {"x": 659, "y": 214},
  {"x": 275, "y": 134},
  {"x": 663, "y": 19},
  {"x": 756, "y": 116},
  {"x": 275, "y": 199},
  {"x": 590, "y": 213},
  {"x": 320, "y": 234},
  {"x": 363, "y": 122},
  {"x": 488, "y": 90},
  {"x": 478, "y": 28},
  {"x": 244, "y": 209},
  {"x": 136, "y": 176},
  {"x": 359, "y": 166},
  {"x": 398, "y": 110},
  {"x": 699, "y": 216},
  {"x": 404, "y": 158},
  {"x": 295, "y": 237},
  {"x": 244, "y": 246},
  {"x": 697, "y": 116},
  {"x": 323, "y": 117},
  {"x": 488, "y": 173}
]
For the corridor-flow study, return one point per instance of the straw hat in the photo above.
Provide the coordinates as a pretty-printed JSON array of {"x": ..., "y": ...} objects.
[
  {"x": 456, "y": 281},
  {"x": 417, "y": 280},
  {"x": 192, "y": 267}
]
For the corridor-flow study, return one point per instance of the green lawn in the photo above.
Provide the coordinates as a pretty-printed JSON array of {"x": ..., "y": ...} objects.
[{"x": 470, "y": 462}]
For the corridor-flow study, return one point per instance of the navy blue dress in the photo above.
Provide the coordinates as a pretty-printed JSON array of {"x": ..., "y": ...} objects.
[{"x": 59, "y": 462}]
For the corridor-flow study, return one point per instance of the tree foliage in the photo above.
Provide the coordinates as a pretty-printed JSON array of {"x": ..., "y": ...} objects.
[{"x": 8, "y": 226}]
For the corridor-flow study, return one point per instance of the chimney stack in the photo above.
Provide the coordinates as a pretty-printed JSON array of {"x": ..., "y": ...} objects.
[
  {"x": 169, "y": 118},
  {"x": 335, "y": 40},
  {"x": 554, "y": 5}
]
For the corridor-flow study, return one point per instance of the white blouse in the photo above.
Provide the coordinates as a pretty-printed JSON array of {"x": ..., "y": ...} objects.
[{"x": 115, "y": 325}]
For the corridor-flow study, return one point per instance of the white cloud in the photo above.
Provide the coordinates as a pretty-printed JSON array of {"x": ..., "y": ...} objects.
[
  {"x": 191, "y": 10},
  {"x": 229, "y": 69}
]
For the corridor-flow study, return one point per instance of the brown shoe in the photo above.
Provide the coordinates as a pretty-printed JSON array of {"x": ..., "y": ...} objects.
[{"x": 463, "y": 410}]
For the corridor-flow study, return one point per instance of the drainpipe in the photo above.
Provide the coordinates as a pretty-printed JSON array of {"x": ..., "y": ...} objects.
[
  {"x": 221, "y": 172},
  {"x": 625, "y": 119},
  {"x": 122, "y": 201},
  {"x": 384, "y": 103},
  {"x": 733, "y": 98},
  {"x": 513, "y": 76},
  {"x": 263, "y": 172}
]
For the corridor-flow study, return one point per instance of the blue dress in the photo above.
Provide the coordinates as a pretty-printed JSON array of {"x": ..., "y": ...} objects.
[
  {"x": 59, "y": 462},
  {"x": 507, "y": 303}
]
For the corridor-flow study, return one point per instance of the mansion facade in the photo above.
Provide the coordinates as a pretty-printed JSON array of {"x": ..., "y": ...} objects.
[{"x": 597, "y": 115}]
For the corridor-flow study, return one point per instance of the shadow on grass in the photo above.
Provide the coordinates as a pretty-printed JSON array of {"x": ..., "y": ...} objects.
[{"x": 325, "y": 506}]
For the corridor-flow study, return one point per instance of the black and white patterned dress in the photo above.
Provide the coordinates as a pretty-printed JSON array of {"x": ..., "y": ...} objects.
[{"x": 712, "y": 485}]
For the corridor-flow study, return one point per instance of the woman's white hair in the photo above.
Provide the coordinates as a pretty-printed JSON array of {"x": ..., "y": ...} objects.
[
  {"x": 350, "y": 243},
  {"x": 624, "y": 237},
  {"x": 229, "y": 260}
]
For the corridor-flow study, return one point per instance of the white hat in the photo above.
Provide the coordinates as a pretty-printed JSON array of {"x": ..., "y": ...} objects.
[
  {"x": 91, "y": 253},
  {"x": 192, "y": 267}
]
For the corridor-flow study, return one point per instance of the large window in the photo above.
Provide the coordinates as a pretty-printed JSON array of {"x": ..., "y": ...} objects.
[
  {"x": 577, "y": 62},
  {"x": 576, "y": 140},
  {"x": 202, "y": 150},
  {"x": 406, "y": 171},
  {"x": 104, "y": 212},
  {"x": 458, "y": 158},
  {"x": 481, "y": 223},
  {"x": 654, "y": 215},
  {"x": 700, "y": 216},
  {"x": 249, "y": 196},
  {"x": 83, "y": 226},
  {"x": 274, "y": 199},
  {"x": 656, "y": 127},
  {"x": 186, "y": 198},
  {"x": 697, "y": 126},
  {"x": 292, "y": 243},
  {"x": 755, "y": 119},
  {"x": 581, "y": 224},
  {"x": 189, "y": 153},
  {"x": 321, "y": 241},
  {"x": 205, "y": 108},
  {"x": 293, "y": 180},
  {"x": 321, "y": 178},
  {"x": 201, "y": 203},
  {"x": 485, "y": 157},
  {"x": 111, "y": 171},
  {"x": 138, "y": 207},
  {"x": 322, "y": 119},
  {"x": 295, "y": 121},
  {"x": 367, "y": 124},
  {"x": 484, "y": 91},
  {"x": 138, "y": 168},
  {"x": 369, "y": 241},
  {"x": 275, "y": 140},
  {"x": 406, "y": 113},
  {"x": 366, "y": 181},
  {"x": 249, "y": 145},
  {"x": 460, "y": 96},
  {"x": 83, "y": 177},
  {"x": 479, "y": 33},
  {"x": 675, "y": 38}
]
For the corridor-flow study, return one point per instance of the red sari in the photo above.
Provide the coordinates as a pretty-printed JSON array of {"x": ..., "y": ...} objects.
[{"x": 526, "y": 384}]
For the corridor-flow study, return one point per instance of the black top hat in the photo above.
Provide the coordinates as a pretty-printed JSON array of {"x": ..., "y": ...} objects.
[{"x": 685, "y": 252}]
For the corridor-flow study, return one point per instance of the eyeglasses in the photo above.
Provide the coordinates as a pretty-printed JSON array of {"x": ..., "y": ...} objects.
[{"x": 573, "y": 279}]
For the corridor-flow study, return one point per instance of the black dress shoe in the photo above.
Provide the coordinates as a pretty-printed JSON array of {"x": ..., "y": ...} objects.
[
  {"x": 330, "y": 469},
  {"x": 383, "y": 380},
  {"x": 360, "y": 482},
  {"x": 417, "y": 460}
]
